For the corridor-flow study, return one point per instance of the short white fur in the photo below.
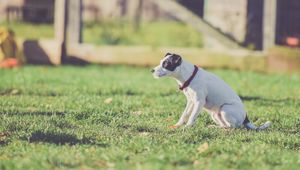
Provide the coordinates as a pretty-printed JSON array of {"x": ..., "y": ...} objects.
[{"x": 207, "y": 91}]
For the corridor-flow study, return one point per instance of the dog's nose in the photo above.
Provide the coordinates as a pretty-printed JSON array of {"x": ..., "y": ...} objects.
[{"x": 152, "y": 71}]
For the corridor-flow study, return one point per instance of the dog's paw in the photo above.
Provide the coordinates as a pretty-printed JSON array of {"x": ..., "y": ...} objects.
[
  {"x": 174, "y": 127},
  {"x": 187, "y": 126}
]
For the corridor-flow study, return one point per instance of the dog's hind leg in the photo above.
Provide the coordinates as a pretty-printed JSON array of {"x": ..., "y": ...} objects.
[
  {"x": 216, "y": 117},
  {"x": 232, "y": 115}
]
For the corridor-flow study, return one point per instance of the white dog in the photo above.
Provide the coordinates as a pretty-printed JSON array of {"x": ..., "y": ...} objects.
[{"x": 204, "y": 90}]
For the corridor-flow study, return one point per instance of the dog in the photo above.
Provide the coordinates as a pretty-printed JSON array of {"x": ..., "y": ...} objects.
[{"x": 204, "y": 90}]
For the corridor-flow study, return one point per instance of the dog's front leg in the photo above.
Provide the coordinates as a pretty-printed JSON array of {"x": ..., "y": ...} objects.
[
  {"x": 198, "y": 105},
  {"x": 185, "y": 114}
]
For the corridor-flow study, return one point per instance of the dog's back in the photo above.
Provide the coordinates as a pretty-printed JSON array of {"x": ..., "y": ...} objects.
[{"x": 218, "y": 91}]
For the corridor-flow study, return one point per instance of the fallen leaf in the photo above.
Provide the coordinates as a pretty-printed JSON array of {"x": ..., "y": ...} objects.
[
  {"x": 197, "y": 163},
  {"x": 202, "y": 148},
  {"x": 144, "y": 133},
  {"x": 4, "y": 157},
  {"x": 84, "y": 167},
  {"x": 110, "y": 165},
  {"x": 169, "y": 119},
  {"x": 137, "y": 113},
  {"x": 104, "y": 164},
  {"x": 173, "y": 127},
  {"x": 4, "y": 135},
  {"x": 108, "y": 100},
  {"x": 14, "y": 91}
]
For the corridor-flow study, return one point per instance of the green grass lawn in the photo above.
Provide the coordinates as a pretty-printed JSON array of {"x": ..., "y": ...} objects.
[
  {"x": 62, "y": 117},
  {"x": 170, "y": 33}
]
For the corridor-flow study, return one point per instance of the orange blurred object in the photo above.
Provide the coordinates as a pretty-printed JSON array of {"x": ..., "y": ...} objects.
[
  {"x": 173, "y": 127},
  {"x": 292, "y": 41},
  {"x": 9, "y": 63}
]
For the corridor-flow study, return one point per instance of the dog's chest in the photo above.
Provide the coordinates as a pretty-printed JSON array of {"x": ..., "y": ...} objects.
[{"x": 190, "y": 94}]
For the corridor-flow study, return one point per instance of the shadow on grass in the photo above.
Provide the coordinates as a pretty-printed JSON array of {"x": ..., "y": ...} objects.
[
  {"x": 43, "y": 113},
  {"x": 45, "y": 93},
  {"x": 127, "y": 92},
  {"x": 62, "y": 139},
  {"x": 182, "y": 162},
  {"x": 139, "y": 128},
  {"x": 75, "y": 61},
  {"x": 147, "y": 129},
  {"x": 15, "y": 92},
  {"x": 266, "y": 101}
]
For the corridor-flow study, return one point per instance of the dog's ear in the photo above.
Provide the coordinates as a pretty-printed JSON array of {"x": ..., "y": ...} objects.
[
  {"x": 168, "y": 54},
  {"x": 172, "y": 62},
  {"x": 177, "y": 59}
]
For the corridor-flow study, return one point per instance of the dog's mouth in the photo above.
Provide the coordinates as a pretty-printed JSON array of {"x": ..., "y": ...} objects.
[{"x": 159, "y": 75}]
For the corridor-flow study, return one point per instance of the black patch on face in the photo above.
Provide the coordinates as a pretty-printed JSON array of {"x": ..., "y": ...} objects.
[{"x": 172, "y": 62}]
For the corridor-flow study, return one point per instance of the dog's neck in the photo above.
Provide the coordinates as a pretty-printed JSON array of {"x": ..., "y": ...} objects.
[{"x": 184, "y": 73}]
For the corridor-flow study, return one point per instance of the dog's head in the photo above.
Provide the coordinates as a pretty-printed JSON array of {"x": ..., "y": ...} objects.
[{"x": 168, "y": 66}]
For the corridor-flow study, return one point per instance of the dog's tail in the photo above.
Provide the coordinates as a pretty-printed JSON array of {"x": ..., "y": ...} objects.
[{"x": 251, "y": 126}]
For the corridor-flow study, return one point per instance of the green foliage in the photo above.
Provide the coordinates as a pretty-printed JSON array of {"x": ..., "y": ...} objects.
[
  {"x": 158, "y": 33},
  {"x": 56, "y": 117},
  {"x": 30, "y": 31}
]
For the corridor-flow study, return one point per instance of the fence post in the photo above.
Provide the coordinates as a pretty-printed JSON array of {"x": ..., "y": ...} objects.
[
  {"x": 269, "y": 24},
  {"x": 74, "y": 27},
  {"x": 60, "y": 25}
]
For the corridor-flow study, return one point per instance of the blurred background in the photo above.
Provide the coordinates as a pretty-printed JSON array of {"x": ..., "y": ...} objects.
[{"x": 261, "y": 35}]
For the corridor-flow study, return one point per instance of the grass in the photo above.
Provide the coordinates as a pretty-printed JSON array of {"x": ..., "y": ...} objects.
[
  {"x": 116, "y": 117},
  {"x": 30, "y": 31},
  {"x": 121, "y": 33}
]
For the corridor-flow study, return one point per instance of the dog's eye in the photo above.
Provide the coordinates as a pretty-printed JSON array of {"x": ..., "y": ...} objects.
[{"x": 165, "y": 64}]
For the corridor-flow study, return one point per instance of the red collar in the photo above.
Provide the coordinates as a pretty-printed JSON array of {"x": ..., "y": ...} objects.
[{"x": 187, "y": 83}]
